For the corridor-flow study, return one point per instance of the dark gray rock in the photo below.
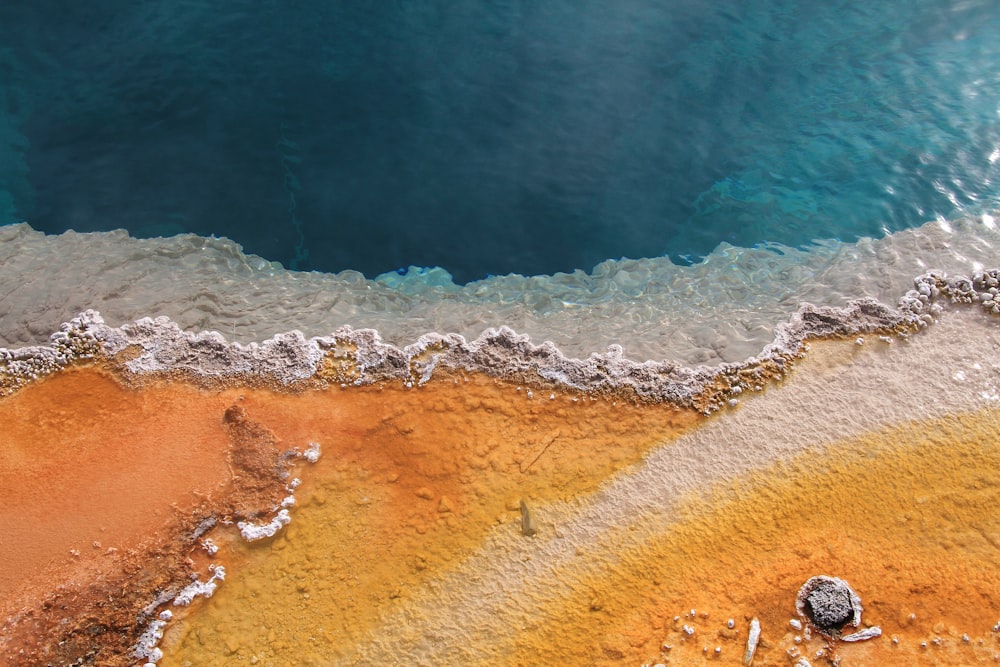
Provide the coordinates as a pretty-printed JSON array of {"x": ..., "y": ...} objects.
[{"x": 829, "y": 604}]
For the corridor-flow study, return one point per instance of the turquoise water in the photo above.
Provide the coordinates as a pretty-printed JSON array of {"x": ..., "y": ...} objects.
[{"x": 497, "y": 137}]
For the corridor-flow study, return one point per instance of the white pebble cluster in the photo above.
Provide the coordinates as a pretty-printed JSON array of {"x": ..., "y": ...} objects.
[
  {"x": 75, "y": 340},
  {"x": 983, "y": 288},
  {"x": 252, "y": 532},
  {"x": 256, "y": 531},
  {"x": 200, "y": 588},
  {"x": 147, "y": 649},
  {"x": 312, "y": 452}
]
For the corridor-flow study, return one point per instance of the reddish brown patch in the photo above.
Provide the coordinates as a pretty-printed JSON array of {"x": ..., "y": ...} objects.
[
  {"x": 87, "y": 466},
  {"x": 100, "y": 486}
]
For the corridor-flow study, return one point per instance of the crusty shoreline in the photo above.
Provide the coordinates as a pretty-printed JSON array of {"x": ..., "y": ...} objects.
[{"x": 159, "y": 347}]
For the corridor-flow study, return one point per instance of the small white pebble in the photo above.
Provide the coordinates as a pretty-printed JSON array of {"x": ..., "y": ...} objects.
[
  {"x": 312, "y": 452},
  {"x": 718, "y": 650},
  {"x": 895, "y": 639},
  {"x": 730, "y": 624},
  {"x": 797, "y": 639},
  {"x": 552, "y": 397},
  {"x": 795, "y": 623},
  {"x": 965, "y": 638},
  {"x": 688, "y": 630},
  {"x": 859, "y": 341}
]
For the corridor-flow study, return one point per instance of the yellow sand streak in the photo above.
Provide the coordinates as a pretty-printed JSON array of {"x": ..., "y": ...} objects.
[
  {"x": 906, "y": 514},
  {"x": 409, "y": 484}
]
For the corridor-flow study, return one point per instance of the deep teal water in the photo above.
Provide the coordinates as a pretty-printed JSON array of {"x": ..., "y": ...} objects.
[{"x": 493, "y": 137}]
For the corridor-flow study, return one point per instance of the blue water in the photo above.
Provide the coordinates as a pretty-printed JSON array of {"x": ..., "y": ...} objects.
[{"x": 497, "y": 136}]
